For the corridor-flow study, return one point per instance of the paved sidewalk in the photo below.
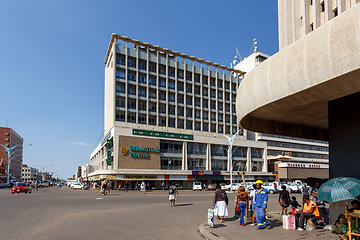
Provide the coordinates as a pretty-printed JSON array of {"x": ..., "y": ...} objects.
[{"x": 230, "y": 229}]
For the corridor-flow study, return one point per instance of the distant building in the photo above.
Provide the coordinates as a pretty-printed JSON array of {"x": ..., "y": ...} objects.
[
  {"x": 29, "y": 173},
  {"x": 9, "y": 138}
]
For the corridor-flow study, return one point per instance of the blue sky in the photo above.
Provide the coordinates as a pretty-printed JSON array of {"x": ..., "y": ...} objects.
[{"x": 52, "y": 54}]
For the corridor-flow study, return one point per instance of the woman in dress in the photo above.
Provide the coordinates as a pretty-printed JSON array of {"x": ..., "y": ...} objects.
[
  {"x": 220, "y": 203},
  {"x": 142, "y": 187},
  {"x": 284, "y": 199},
  {"x": 242, "y": 200}
]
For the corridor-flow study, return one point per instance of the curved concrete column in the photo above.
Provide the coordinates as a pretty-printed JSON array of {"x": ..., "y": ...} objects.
[{"x": 288, "y": 94}]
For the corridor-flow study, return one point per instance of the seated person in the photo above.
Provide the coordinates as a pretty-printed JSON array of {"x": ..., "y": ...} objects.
[
  {"x": 309, "y": 210},
  {"x": 356, "y": 206},
  {"x": 344, "y": 228}
]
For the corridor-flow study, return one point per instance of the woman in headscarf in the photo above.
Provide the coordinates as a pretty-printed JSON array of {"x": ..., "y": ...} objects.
[{"x": 242, "y": 200}]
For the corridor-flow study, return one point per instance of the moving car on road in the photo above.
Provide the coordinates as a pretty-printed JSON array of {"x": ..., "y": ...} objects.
[
  {"x": 77, "y": 185},
  {"x": 21, "y": 187}
]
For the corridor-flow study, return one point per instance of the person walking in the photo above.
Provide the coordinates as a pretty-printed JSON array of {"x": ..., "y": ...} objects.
[
  {"x": 220, "y": 202},
  {"x": 252, "y": 197},
  {"x": 173, "y": 193},
  {"x": 142, "y": 187},
  {"x": 136, "y": 186},
  {"x": 284, "y": 200},
  {"x": 242, "y": 200},
  {"x": 126, "y": 186},
  {"x": 260, "y": 204}
]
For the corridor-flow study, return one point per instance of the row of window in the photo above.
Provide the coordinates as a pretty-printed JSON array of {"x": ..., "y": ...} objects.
[
  {"x": 120, "y": 102},
  {"x": 297, "y": 154},
  {"x": 142, "y": 78},
  {"x": 142, "y": 119},
  {"x": 199, "y": 164},
  {"x": 175, "y": 163},
  {"x": 298, "y": 146}
]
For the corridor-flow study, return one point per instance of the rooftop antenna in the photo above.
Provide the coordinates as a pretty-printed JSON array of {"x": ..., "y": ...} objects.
[
  {"x": 237, "y": 58},
  {"x": 254, "y": 47}
]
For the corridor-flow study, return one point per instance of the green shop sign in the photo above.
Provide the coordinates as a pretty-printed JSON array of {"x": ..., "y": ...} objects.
[
  {"x": 162, "y": 134},
  {"x": 142, "y": 152}
]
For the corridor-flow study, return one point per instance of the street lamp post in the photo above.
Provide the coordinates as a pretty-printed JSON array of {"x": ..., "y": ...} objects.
[
  {"x": 231, "y": 141},
  {"x": 9, "y": 150}
]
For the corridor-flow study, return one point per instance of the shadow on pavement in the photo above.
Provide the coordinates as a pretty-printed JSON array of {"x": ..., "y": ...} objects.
[
  {"x": 275, "y": 223},
  {"x": 183, "y": 205}
]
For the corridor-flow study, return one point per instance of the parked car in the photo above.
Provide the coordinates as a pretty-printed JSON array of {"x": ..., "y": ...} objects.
[
  {"x": 223, "y": 186},
  {"x": 270, "y": 187},
  {"x": 298, "y": 182},
  {"x": 21, "y": 187},
  {"x": 77, "y": 185},
  {"x": 3, "y": 184},
  {"x": 234, "y": 187},
  {"x": 211, "y": 187},
  {"x": 292, "y": 187},
  {"x": 197, "y": 186}
]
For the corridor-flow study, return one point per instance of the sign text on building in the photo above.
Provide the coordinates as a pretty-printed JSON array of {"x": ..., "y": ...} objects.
[
  {"x": 162, "y": 134},
  {"x": 143, "y": 152}
]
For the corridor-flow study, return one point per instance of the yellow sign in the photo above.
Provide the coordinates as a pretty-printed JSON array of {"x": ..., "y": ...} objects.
[
  {"x": 124, "y": 150},
  {"x": 109, "y": 177},
  {"x": 140, "y": 177}
]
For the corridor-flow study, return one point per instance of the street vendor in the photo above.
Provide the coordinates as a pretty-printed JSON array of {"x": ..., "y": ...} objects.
[
  {"x": 343, "y": 221},
  {"x": 309, "y": 210}
]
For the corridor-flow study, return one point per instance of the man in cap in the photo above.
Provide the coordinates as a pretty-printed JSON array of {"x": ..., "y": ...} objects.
[{"x": 260, "y": 204}]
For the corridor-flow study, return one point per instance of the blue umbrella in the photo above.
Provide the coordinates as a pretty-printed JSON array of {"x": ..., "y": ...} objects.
[{"x": 339, "y": 189}]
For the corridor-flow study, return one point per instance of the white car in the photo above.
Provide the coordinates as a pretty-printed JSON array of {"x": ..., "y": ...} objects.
[
  {"x": 197, "y": 186},
  {"x": 292, "y": 187},
  {"x": 234, "y": 187}
]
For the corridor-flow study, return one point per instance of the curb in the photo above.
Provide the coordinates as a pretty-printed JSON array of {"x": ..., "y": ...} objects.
[{"x": 207, "y": 234}]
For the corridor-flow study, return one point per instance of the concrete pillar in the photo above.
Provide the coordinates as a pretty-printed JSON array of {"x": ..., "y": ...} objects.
[
  {"x": 344, "y": 136},
  {"x": 316, "y": 13},
  {"x": 248, "y": 159},
  {"x": 264, "y": 157},
  {"x": 208, "y": 157},
  {"x": 184, "y": 160},
  {"x": 341, "y": 6},
  {"x": 328, "y": 10}
]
